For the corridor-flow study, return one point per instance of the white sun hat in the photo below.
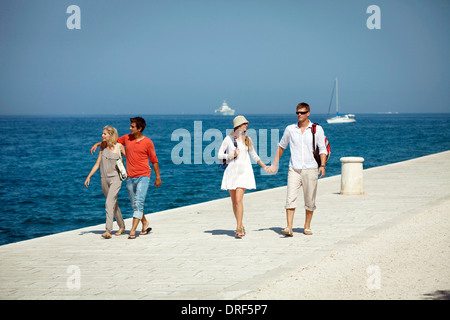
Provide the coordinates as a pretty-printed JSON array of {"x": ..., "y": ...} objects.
[{"x": 238, "y": 121}]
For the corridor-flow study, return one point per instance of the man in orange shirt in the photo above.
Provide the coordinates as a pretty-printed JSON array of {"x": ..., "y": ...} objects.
[{"x": 139, "y": 150}]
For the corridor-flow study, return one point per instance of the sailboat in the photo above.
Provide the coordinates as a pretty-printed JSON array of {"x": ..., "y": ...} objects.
[{"x": 339, "y": 118}]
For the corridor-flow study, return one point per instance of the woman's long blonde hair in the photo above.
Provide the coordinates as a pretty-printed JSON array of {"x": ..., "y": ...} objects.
[{"x": 113, "y": 135}]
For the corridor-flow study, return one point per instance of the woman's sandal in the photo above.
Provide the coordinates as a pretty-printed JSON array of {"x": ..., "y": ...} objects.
[
  {"x": 119, "y": 233},
  {"x": 240, "y": 233}
]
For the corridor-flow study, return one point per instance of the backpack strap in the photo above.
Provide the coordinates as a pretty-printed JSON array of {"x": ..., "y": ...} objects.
[{"x": 313, "y": 131}]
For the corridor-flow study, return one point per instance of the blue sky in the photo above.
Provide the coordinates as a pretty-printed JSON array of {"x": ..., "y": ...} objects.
[{"x": 186, "y": 57}]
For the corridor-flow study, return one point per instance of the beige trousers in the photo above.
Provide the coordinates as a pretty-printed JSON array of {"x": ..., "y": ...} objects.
[
  {"x": 306, "y": 178},
  {"x": 111, "y": 187}
]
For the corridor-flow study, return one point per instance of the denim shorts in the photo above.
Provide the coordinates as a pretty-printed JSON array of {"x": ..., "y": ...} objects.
[{"x": 137, "y": 191}]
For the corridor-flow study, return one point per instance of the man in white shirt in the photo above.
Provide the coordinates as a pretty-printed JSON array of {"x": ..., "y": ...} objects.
[{"x": 302, "y": 166}]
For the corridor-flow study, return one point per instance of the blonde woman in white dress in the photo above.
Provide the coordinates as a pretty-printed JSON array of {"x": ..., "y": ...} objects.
[{"x": 238, "y": 176}]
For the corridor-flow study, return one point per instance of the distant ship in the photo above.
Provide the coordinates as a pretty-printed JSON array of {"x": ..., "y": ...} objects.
[{"x": 224, "y": 110}]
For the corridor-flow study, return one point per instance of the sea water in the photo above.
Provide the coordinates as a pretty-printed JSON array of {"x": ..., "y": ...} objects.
[{"x": 45, "y": 161}]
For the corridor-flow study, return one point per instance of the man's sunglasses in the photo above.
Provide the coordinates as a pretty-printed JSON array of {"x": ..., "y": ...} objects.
[{"x": 302, "y": 112}]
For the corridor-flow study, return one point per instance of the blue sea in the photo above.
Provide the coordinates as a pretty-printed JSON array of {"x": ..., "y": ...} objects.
[{"x": 45, "y": 161}]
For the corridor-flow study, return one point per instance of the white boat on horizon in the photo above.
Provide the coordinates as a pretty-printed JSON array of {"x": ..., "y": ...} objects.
[
  {"x": 224, "y": 110},
  {"x": 339, "y": 118}
]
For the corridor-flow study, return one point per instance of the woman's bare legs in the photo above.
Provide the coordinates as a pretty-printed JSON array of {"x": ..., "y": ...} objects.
[{"x": 238, "y": 209}]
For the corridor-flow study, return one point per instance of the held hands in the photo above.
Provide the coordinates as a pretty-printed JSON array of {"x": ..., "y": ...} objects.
[
  {"x": 267, "y": 169},
  {"x": 273, "y": 169}
]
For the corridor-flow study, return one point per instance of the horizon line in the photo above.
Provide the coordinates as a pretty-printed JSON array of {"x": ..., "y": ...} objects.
[{"x": 196, "y": 114}]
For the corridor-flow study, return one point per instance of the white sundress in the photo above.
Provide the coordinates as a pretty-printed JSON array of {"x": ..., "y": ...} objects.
[{"x": 239, "y": 173}]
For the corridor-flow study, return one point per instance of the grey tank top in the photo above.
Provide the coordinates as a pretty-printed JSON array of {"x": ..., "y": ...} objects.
[{"x": 108, "y": 166}]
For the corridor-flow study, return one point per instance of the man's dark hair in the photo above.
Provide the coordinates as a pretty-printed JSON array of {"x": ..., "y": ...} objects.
[
  {"x": 303, "y": 105},
  {"x": 140, "y": 123}
]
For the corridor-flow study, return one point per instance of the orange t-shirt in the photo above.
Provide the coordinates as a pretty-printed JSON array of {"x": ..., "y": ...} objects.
[{"x": 138, "y": 154}]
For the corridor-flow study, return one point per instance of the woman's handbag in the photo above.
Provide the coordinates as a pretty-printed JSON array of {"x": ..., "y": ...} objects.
[
  {"x": 121, "y": 167},
  {"x": 122, "y": 170}
]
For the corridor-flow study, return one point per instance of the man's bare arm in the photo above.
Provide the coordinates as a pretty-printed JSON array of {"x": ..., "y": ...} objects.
[{"x": 95, "y": 146}]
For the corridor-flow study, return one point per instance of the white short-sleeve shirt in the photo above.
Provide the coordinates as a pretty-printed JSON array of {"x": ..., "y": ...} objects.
[{"x": 301, "y": 145}]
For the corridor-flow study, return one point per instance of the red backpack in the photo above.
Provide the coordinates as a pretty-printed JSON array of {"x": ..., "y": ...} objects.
[{"x": 316, "y": 148}]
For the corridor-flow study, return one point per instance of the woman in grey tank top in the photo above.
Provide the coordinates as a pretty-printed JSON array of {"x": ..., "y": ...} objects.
[{"x": 110, "y": 152}]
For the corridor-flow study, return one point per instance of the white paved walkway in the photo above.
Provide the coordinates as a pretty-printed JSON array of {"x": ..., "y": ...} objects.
[{"x": 192, "y": 253}]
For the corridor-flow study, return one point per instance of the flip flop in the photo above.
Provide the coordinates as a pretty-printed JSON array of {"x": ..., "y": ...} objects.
[
  {"x": 239, "y": 233},
  {"x": 106, "y": 236},
  {"x": 307, "y": 232},
  {"x": 132, "y": 236},
  {"x": 287, "y": 232},
  {"x": 147, "y": 231}
]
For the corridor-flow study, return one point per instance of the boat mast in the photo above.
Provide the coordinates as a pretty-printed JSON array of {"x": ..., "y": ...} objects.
[
  {"x": 331, "y": 100},
  {"x": 337, "y": 96}
]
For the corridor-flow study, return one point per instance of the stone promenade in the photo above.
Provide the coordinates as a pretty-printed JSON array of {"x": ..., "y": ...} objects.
[{"x": 192, "y": 252}]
